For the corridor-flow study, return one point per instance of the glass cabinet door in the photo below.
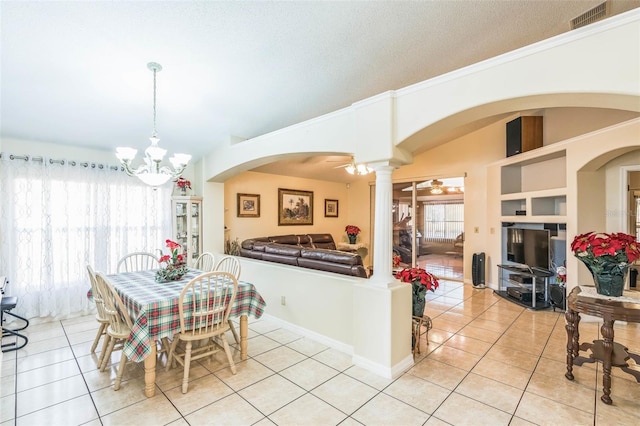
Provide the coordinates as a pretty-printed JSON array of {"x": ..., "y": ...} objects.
[{"x": 187, "y": 225}]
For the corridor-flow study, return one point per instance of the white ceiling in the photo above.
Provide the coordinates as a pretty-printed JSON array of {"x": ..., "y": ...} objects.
[{"x": 75, "y": 72}]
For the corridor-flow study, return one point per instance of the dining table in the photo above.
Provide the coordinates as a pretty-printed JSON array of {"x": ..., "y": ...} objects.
[{"x": 153, "y": 309}]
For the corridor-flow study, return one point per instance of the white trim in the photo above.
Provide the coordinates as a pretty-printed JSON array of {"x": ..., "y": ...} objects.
[
  {"x": 624, "y": 199},
  {"x": 332, "y": 343},
  {"x": 389, "y": 373}
]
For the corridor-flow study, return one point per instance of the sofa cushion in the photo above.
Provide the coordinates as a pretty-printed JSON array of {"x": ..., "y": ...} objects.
[
  {"x": 332, "y": 256},
  {"x": 340, "y": 268},
  {"x": 323, "y": 241},
  {"x": 285, "y": 239},
  {"x": 305, "y": 241}
]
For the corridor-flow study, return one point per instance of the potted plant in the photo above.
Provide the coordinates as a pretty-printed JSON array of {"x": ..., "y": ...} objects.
[
  {"x": 352, "y": 232},
  {"x": 421, "y": 281}
]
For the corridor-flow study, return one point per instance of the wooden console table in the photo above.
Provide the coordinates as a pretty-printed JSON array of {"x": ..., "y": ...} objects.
[{"x": 585, "y": 300}]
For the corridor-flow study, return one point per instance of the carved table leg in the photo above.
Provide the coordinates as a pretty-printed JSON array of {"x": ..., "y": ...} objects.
[
  {"x": 607, "y": 336},
  {"x": 150, "y": 372},
  {"x": 244, "y": 331},
  {"x": 572, "y": 320}
]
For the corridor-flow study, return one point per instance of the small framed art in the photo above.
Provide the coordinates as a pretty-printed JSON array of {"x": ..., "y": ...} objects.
[
  {"x": 248, "y": 205},
  {"x": 330, "y": 208}
]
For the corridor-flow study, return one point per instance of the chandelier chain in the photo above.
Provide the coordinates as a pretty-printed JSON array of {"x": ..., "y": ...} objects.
[{"x": 155, "y": 133}]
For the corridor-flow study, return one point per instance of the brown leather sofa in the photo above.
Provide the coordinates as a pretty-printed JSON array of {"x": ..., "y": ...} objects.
[{"x": 314, "y": 251}]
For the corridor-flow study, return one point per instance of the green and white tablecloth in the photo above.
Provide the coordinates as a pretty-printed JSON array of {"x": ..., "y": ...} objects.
[{"x": 153, "y": 307}]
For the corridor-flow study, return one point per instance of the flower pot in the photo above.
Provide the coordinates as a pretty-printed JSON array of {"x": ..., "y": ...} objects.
[
  {"x": 608, "y": 278},
  {"x": 352, "y": 238},
  {"x": 183, "y": 191},
  {"x": 418, "y": 298},
  {"x": 418, "y": 307}
]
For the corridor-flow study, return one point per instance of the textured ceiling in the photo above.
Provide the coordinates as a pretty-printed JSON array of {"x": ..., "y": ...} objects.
[{"x": 75, "y": 72}]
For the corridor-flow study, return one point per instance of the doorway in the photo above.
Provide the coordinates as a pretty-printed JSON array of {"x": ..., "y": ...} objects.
[{"x": 428, "y": 225}]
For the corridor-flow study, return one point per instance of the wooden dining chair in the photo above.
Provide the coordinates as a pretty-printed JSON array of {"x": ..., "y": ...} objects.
[
  {"x": 119, "y": 327},
  {"x": 206, "y": 262},
  {"x": 101, "y": 316},
  {"x": 138, "y": 261},
  {"x": 232, "y": 265},
  {"x": 204, "y": 307}
]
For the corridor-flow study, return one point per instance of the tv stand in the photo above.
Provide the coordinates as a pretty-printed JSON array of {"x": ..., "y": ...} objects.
[{"x": 524, "y": 285}]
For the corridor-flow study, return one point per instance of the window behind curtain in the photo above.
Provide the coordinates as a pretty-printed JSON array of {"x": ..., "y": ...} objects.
[
  {"x": 443, "y": 221},
  {"x": 56, "y": 218}
]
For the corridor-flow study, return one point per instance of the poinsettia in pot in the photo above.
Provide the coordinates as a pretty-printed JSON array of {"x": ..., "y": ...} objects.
[
  {"x": 421, "y": 281},
  {"x": 352, "y": 232},
  {"x": 175, "y": 264},
  {"x": 183, "y": 184},
  {"x": 607, "y": 256}
]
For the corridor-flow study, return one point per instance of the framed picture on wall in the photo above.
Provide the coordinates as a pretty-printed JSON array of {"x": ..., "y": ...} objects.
[
  {"x": 295, "y": 207},
  {"x": 330, "y": 208},
  {"x": 248, "y": 205}
]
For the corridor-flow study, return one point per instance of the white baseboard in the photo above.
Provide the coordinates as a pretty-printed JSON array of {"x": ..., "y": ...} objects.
[{"x": 392, "y": 372}]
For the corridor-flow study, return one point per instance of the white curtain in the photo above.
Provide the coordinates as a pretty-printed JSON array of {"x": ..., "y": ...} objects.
[{"x": 57, "y": 216}]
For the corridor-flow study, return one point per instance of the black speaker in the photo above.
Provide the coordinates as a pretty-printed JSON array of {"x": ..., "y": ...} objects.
[
  {"x": 524, "y": 134},
  {"x": 557, "y": 297},
  {"x": 477, "y": 269}
]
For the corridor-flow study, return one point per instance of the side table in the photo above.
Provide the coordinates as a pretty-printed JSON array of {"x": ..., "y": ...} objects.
[
  {"x": 585, "y": 300},
  {"x": 420, "y": 326}
]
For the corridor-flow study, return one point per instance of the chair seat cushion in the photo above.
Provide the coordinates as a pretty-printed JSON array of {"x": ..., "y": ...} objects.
[{"x": 9, "y": 302}]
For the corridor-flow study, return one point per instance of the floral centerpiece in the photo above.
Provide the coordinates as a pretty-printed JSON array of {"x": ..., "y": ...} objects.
[
  {"x": 183, "y": 184},
  {"x": 561, "y": 275},
  {"x": 175, "y": 266},
  {"x": 395, "y": 260},
  {"x": 421, "y": 281},
  {"x": 608, "y": 257},
  {"x": 352, "y": 232}
]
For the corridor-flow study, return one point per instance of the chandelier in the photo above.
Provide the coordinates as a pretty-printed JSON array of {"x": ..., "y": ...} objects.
[
  {"x": 151, "y": 172},
  {"x": 357, "y": 169}
]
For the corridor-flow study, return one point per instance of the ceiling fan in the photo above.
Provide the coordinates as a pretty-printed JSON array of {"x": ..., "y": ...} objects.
[
  {"x": 355, "y": 169},
  {"x": 436, "y": 187}
]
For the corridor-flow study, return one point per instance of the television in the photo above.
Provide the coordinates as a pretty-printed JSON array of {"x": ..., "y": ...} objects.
[{"x": 528, "y": 247}]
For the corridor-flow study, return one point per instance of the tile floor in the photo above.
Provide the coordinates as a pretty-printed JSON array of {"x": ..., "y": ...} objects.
[{"x": 487, "y": 361}]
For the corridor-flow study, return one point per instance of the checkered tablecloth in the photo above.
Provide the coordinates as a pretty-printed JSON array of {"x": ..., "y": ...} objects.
[{"x": 153, "y": 307}]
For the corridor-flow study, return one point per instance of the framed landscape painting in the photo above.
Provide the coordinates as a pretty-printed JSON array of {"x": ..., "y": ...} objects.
[
  {"x": 330, "y": 208},
  {"x": 295, "y": 207},
  {"x": 248, "y": 205}
]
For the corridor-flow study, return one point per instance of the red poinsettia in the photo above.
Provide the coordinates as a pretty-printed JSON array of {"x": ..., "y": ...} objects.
[
  {"x": 418, "y": 276},
  {"x": 599, "y": 248},
  {"x": 396, "y": 260},
  {"x": 352, "y": 230},
  {"x": 183, "y": 183}
]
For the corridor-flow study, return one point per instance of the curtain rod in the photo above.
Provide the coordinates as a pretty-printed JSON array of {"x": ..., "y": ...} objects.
[{"x": 61, "y": 162}]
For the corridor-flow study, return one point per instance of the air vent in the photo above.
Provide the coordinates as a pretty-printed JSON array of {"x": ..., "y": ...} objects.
[{"x": 599, "y": 12}]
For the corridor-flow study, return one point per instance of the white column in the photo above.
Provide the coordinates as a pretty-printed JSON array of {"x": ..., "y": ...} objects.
[{"x": 383, "y": 228}]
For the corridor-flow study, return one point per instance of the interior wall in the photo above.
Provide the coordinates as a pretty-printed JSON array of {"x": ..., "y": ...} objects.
[{"x": 266, "y": 185}]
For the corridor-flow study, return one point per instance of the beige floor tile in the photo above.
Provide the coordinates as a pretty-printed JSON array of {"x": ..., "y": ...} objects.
[
  {"x": 517, "y": 421},
  {"x": 512, "y": 356},
  {"x": 439, "y": 373},
  {"x": 556, "y": 369},
  {"x": 283, "y": 336},
  {"x": 271, "y": 394},
  {"x": 334, "y": 359},
  {"x": 543, "y": 411},
  {"x": 157, "y": 410},
  {"x": 367, "y": 377},
  {"x": 44, "y": 334},
  {"x": 497, "y": 326},
  {"x": 8, "y": 408},
  {"x": 263, "y": 325},
  {"x": 468, "y": 344},
  {"x": 166, "y": 380},
  {"x": 345, "y": 393},
  {"x": 202, "y": 392},
  {"x": 81, "y": 337},
  {"x": 307, "y": 410},
  {"x": 439, "y": 336},
  {"x": 107, "y": 400},
  {"x": 385, "y": 410},
  {"x": 247, "y": 373},
  {"x": 76, "y": 411},
  {"x": 50, "y": 394},
  {"x": 483, "y": 334},
  {"x": 622, "y": 412},
  {"x": 43, "y": 359},
  {"x": 42, "y": 346},
  {"x": 307, "y": 346},
  {"x": 81, "y": 327},
  {"x": 455, "y": 357},
  {"x": 47, "y": 374},
  {"x": 503, "y": 373},
  {"x": 490, "y": 392},
  {"x": 280, "y": 358},
  {"x": 309, "y": 374},
  {"x": 563, "y": 391},
  {"x": 418, "y": 393},
  {"x": 7, "y": 385},
  {"x": 230, "y": 410},
  {"x": 459, "y": 410},
  {"x": 260, "y": 344},
  {"x": 624, "y": 393}
]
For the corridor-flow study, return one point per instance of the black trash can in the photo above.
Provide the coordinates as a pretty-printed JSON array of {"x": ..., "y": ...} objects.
[{"x": 633, "y": 278}]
